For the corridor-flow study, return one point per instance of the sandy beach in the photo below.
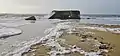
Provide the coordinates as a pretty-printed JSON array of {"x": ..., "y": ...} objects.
[
  {"x": 59, "y": 28},
  {"x": 78, "y": 41}
]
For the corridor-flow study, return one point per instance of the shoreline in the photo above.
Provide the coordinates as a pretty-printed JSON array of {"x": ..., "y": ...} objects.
[
  {"x": 53, "y": 40},
  {"x": 103, "y": 25}
]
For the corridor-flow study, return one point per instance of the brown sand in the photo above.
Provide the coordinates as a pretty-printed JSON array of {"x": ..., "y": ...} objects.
[
  {"x": 75, "y": 40},
  {"x": 108, "y": 37},
  {"x": 114, "y": 39}
]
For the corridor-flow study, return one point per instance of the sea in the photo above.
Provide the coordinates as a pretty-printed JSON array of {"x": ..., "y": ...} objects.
[{"x": 101, "y": 19}]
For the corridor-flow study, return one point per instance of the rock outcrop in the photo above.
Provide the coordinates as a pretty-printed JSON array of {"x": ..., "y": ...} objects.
[{"x": 31, "y": 18}]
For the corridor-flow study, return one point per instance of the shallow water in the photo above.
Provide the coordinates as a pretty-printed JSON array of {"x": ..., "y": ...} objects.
[{"x": 29, "y": 31}]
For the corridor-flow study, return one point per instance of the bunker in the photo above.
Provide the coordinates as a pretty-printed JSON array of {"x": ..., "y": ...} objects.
[{"x": 65, "y": 14}]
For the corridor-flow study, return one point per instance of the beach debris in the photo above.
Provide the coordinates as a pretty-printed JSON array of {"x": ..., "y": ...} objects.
[{"x": 31, "y": 18}]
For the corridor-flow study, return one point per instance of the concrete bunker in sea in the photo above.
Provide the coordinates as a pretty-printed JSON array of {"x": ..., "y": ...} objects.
[{"x": 65, "y": 14}]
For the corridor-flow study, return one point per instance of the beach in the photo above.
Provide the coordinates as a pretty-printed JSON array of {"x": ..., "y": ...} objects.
[
  {"x": 80, "y": 41},
  {"x": 55, "y": 37}
]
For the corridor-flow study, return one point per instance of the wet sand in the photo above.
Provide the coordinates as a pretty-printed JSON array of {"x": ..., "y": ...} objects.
[
  {"x": 114, "y": 39},
  {"x": 73, "y": 39}
]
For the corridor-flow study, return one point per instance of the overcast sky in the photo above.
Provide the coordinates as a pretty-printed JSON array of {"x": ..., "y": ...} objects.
[{"x": 45, "y": 6}]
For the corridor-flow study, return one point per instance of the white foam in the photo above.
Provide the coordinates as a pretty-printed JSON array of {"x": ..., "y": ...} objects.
[
  {"x": 9, "y": 31},
  {"x": 97, "y": 28},
  {"x": 91, "y": 54},
  {"x": 113, "y": 30},
  {"x": 52, "y": 34}
]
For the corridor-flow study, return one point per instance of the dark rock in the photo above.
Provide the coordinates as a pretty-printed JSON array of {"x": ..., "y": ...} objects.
[
  {"x": 31, "y": 18},
  {"x": 107, "y": 43},
  {"x": 95, "y": 38},
  {"x": 103, "y": 47},
  {"x": 88, "y": 18},
  {"x": 102, "y": 42},
  {"x": 74, "y": 47},
  {"x": 58, "y": 54},
  {"x": 82, "y": 40}
]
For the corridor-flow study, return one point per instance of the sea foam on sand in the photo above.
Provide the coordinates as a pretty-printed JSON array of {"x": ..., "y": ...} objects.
[
  {"x": 52, "y": 34},
  {"x": 113, "y": 30}
]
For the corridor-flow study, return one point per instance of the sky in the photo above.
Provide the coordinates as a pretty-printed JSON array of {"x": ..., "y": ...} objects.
[{"x": 46, "y": 6}]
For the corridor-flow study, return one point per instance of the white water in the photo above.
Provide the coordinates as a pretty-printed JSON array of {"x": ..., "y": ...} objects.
[
  {"x": 102, "y": 20},
  {"x": 51, "y": 41},
  {"x": 29, "y": 32}
]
